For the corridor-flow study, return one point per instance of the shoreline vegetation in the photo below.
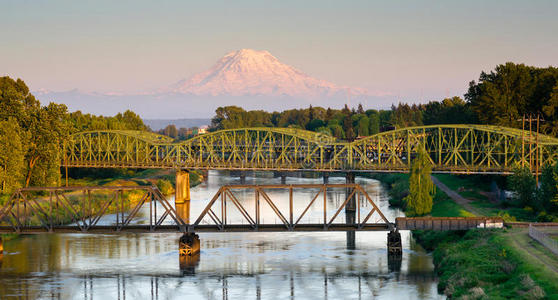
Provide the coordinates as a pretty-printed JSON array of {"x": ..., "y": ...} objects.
[{"x": 477, "y": 264}]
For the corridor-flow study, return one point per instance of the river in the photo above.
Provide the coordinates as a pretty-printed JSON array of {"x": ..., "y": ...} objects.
[{"x": 287, "y": 265}]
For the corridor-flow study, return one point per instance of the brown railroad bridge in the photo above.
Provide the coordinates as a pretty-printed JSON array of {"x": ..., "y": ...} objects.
[{"x": 101, "y": 210}]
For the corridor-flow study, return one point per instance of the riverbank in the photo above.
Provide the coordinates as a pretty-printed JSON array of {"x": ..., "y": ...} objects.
[{"x": 476, "y": 264}]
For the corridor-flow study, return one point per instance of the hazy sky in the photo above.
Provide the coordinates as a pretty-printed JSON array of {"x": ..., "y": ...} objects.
[{"x": 415, "y": 49}]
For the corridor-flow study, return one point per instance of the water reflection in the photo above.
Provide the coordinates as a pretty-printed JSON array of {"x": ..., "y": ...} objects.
[{"x": 287, "y": 265}]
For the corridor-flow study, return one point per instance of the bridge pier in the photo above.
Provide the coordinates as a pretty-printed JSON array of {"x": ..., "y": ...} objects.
[
  {"x": 242, "y": 177},
  {"x": 326, "y": 177},
  {"x": 350, "y": 210},
  {"x": 182, "y": 195},
  {"x": 189, "y": 245},
  {"x": 283, "y": 178},
  {"x": 395, "y": 248}
]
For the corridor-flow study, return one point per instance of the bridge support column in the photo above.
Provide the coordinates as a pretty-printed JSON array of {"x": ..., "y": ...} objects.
[
  {"x": 283, "y": 178},
  {"x": 350, "y": 210},
  {"x": 242, "y": 177},
  {"x": 189, "y": 244},
  {"x": 395, "y": 248},
  {"x": 189, "y": 253},
  {"x": 182, "y": 195},
  {"x": 326, "y": 177}
]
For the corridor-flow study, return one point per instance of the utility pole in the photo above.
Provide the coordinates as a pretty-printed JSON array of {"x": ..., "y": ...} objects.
[
  {"x": 523, "y": 142},
  {"x": 530, "y": 144},
  {"x": 537, "y": 163}
]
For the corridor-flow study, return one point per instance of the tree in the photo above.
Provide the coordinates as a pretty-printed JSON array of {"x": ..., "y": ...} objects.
[
  {"x": 171, "y": 131},
  {"x": 48, "y": 127},
  {"x": 360, "y": 110},
  {"x": 548, "y": 191},
  {"x": 363, "y": 125},
  {"x": 504, "y": 95},
  {"x": 523, "y": 184},
  {"x": 421, "y": 188},
  {"x": 348, "y": 128},
  {"x": 373, "y": 123},
  {"x": 12, "y": 155}
]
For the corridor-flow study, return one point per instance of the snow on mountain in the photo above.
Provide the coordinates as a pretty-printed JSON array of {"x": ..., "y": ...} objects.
[{"x": 249, "y": 72}]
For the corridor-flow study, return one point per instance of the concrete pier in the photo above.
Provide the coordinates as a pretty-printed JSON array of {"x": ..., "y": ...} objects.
[
  {"x": 189, "y": 244},
  {"x": 182, "y": 195},
  {"x": 283, "y": 178},
  {"x": 395, "y": 247},
  {"x": 326, "y": 177},
  {"x": 242, "y": 177}
]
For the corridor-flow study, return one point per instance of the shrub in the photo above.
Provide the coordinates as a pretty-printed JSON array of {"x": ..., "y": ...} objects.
[{"x": 165, "y": 186}]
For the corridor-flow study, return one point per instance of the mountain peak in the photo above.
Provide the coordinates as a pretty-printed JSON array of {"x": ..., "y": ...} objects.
[{"x": 248, "y": 72}]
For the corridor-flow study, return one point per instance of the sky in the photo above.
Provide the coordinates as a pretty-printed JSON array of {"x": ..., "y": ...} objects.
[{"x": 412, "y": 50}]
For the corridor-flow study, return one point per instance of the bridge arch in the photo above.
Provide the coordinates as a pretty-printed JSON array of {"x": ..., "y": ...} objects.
[{"x": 451, "y": 148}]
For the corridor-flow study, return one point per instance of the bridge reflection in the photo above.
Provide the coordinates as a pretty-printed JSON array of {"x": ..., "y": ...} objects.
[
  {"x": 129, "y": 273},
  {"x": 293, "y": 286}
]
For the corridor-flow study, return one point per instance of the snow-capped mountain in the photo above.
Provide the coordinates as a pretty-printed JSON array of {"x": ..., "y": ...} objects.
[{"x": 249, "y": 72}]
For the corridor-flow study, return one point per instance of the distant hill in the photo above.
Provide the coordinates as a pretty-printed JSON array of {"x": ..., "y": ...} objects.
[{"x": 157, "y": 124}]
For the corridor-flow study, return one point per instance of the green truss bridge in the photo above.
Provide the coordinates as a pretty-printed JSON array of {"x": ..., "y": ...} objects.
[{"x": 451, "y": 148}]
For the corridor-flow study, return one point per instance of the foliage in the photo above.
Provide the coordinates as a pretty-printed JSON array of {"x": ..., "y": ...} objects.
[
  {"x": 121, "y": 121},
  {"x": 523, "y": 184},
  {"x": 165, "y": 186},
  {"x": 36, "y": 132},
  {"x": 481, "y": 261},
  {"x": 504, "y": 95},
  {"x": 12, "y": 156},
  {"x": 421, "y": 187}
]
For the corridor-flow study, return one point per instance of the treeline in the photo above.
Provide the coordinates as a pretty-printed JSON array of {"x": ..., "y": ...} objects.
[
  {"x": 348, "y": 123},
  {"x": 180, "y": 133},
  {"x": 501, "y": 97},
  {"x": 31, "y": 134}
]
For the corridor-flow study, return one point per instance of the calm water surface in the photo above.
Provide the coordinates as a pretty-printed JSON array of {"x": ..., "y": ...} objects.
[{"x": 231, "y": 265}]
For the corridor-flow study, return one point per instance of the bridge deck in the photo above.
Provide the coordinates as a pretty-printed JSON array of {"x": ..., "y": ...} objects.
[{"x": 200, "y": 228}]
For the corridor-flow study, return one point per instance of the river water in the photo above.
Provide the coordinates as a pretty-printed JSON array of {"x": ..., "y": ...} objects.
[{"x": 317, "y": 265}]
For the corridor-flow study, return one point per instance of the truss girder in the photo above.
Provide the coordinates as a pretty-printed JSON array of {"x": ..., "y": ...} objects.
[{"x": 451, "y": 148}]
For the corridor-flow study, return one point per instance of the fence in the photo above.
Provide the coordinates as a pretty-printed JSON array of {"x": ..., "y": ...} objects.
[{"x": 544, "y": 239}]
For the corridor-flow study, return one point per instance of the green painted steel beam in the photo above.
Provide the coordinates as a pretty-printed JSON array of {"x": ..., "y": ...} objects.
[{"x": 452, "y": 148}]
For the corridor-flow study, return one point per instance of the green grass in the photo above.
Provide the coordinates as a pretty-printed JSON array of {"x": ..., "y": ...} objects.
[
  {"x": 482, "y": 265},
  {"x": 444, "y": 206},
  {"x": 539, "y": 272},
  {"x": 468, "y": 186}
]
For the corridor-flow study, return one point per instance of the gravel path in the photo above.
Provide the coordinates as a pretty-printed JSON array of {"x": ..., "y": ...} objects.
[{"x": 466, "y": 203}]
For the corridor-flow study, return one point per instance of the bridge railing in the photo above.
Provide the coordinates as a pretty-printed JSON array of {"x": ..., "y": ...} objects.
[
  {"x": 83, "y": 209},
  {"x": 544, "y": 239}
]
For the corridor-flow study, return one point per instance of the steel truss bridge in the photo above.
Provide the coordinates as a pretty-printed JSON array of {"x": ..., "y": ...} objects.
[
  {"x": 234, "y": 208},
  {"x": 102, "y": 210},
  {"x": 451, "y": 148}
]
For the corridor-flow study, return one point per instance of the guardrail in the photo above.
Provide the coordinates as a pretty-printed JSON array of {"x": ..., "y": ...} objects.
[{"x": 544, "y": 239}]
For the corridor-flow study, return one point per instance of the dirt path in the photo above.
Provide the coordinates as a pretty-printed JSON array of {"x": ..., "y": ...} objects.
[
  {"x": 466, "y": 203},
  {"x": 532, "y": 249}
]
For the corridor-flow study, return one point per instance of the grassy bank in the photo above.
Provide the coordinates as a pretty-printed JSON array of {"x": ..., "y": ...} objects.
[{"x": 476, "y": 264}]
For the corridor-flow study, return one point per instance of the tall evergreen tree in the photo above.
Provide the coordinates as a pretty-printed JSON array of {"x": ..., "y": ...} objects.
[{"x": 421, "y": 188}]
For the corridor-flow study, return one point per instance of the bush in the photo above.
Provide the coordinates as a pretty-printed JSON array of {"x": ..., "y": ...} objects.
[{"x": 165, "y": 186}]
